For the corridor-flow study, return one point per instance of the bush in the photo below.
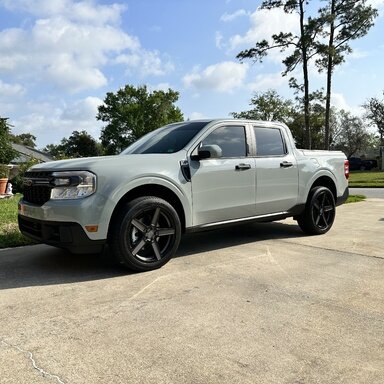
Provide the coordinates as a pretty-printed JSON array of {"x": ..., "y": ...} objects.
[
  {"x": 7, "y": 153},
  {"x": 17, "y": 181},
  {"x": 4, "y": 171}
]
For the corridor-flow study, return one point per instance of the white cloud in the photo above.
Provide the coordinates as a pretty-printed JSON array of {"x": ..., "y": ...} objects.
[
  {"x": 50, "y": 123},
  {"x": 218, "y": 40},
  {"x": 265, "y": 23},
  {"x": 376, "y": 3},
  {"x": 71, "y": 45},
  {"x": 146, "y": 63},
  {"x": 197, "y": 116},
  {"x": 68, "y": 75},
  {"x": 358, "y": 54},
  {"x": 227, "y": 17},
  {"x": 160, "y": 87},
  {"x": 10, "y": 90},
  {"x": 338, "y": 100},
  {"x": 83, "y": 11},
  {"x": 221, "y": 77},
  {"x": 268, "y": 81},
  {"x": 82, "y": 110}
]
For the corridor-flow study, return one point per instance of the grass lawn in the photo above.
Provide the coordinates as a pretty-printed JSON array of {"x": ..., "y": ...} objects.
[
  {"x": 355, "y": 198},
  {"x": 10, "y": 235},
  {"x": 366, "y": 179}
]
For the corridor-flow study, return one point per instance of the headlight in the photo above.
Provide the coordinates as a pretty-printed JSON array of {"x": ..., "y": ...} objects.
[{"x": 72, "y": 185}]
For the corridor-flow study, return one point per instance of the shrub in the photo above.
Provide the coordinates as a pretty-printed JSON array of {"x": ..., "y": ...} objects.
[
  {"x": 4, "y": 171},
  {"x": 17, "y": 180}
]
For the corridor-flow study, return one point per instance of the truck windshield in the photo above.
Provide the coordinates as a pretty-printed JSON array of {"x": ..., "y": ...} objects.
[{"x": 169, "y": 139}]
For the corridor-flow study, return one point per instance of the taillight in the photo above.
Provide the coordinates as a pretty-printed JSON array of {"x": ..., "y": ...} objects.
[{"x": 346, "y": 169}]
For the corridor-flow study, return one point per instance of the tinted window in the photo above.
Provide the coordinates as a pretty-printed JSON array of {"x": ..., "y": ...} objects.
[
  {"x": 231, "y": 140},
  {"x": 169, "y": 139},
  {"x": 269, "y": 142}
]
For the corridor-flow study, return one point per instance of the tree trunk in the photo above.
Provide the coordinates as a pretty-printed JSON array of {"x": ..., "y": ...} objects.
[
  {"x": 308, "y": 136},
  {"x": 329, "y": 78}
]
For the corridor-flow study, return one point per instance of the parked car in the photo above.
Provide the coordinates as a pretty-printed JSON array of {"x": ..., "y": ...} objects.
[
  {"x": 183, "y": 177},
  {"x": 358, "y": 164},
  {"x": 371, "y": 163}
]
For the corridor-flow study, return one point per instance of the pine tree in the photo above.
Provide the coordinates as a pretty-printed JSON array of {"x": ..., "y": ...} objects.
[{"x": 346, "y": 20}]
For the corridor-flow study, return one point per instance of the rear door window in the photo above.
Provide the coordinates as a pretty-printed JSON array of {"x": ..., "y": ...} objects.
[{"x": 269, "y": 142}]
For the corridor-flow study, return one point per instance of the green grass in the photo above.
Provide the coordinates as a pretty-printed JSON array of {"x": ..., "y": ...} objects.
[
  {"x": 366, "y": 179},
  {"x": 355, "y": 198},
  {"x": 10, "y": 235}
]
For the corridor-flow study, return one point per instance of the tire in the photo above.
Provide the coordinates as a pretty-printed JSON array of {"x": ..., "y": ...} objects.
[
  {"x": 319, "y": 213},
  {"x": 146, "y": 234}
]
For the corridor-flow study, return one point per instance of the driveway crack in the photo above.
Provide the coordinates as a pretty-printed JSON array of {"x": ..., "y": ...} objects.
[{"x": 33, "y": 362}]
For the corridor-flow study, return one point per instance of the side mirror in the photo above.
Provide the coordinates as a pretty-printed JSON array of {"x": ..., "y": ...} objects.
[{"x": 209, "y": 152}]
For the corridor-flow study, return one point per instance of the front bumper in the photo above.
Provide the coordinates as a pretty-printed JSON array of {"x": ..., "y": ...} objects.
[{"x": 65, "y": 235}]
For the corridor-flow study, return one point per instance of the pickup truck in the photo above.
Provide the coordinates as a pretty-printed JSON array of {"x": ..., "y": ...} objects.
[{"x": 183, "y": 177}]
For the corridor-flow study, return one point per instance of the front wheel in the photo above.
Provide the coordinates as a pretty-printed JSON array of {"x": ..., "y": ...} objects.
[
  {"x": 146, "y": 234},
  {"x": 319, "y": 213}
]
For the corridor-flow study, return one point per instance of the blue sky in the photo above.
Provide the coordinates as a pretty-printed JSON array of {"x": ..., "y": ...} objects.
[{"x": 59, "y": 58}]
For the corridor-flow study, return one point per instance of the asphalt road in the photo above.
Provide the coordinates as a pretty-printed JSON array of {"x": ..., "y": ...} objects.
[
  {"x": 368, "y": 192},
  {"x": 255, "y": 304}
]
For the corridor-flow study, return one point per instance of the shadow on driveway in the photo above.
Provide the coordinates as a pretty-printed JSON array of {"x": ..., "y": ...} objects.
[{"x": 40, "y": 265}]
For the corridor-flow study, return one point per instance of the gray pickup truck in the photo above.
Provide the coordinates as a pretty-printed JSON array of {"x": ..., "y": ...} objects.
[{"x": 183, "y": 177}]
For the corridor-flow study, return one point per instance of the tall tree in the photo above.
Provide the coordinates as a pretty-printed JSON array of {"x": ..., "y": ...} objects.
[
  {"x": 374, "y": 112},
  {"x": 79, "y": 144},
  {"x": 26, "y": 139},
  {"x": 56, "y": 151},
  {"x": 353, "y": 136},
  {"x": 268, "y": 106},
  {"x": 132, "y": 112},
  {"x": 302, "y": 47},
  {"x": 346, "y": 20},
  {"x": 316, "y": 122},
  {"x": 7, "y": 153}
]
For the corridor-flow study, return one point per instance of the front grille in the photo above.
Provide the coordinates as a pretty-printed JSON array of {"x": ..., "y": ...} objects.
[{"x": 37, "y": 187}]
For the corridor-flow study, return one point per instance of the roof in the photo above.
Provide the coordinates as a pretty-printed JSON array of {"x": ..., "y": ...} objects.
[{"x": 27, "y": 153}]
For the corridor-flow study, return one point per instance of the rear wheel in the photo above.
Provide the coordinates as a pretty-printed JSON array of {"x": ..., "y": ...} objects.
[
  {"x": 319, "y": 213},
  {"x": 146, "y": 234}
]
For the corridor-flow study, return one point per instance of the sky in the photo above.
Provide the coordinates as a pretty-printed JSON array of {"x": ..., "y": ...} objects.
[{"x": 59, "y": 58}]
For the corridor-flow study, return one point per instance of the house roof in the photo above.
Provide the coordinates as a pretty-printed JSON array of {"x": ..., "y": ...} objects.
[{"x": 27, "y": 153}]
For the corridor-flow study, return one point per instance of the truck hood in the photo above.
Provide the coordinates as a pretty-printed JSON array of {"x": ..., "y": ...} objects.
[{"x": 121, "y": 162}]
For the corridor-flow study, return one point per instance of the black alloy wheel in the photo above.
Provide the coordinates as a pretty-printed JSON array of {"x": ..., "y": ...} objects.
[
  {"x": 146, "y": 234},
  {"x": 319, "y": 213}
]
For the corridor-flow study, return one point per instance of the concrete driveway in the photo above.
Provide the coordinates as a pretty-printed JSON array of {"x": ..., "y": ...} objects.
[{"x": 255, "y": 304}]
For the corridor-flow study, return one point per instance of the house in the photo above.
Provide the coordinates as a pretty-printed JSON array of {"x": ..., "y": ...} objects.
[{"x": 28, "y": 153}]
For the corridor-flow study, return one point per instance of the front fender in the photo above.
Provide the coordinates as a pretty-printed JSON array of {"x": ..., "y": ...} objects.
[{"x": 183, "y": 193}]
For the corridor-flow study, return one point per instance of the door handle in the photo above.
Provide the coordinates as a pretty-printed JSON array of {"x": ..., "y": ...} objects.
[
  {"x": 286, "y": 164},
  {"x": 242, "y": 167}
]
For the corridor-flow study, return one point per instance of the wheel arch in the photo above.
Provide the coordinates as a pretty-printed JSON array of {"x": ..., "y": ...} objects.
[
  {"x": 325, "y": 181},
  {"x": 155, "y": 190}
]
